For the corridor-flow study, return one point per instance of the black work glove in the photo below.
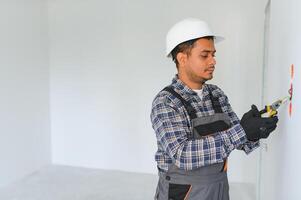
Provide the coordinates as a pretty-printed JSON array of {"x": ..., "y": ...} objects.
[{"x": 257, "y": 127}]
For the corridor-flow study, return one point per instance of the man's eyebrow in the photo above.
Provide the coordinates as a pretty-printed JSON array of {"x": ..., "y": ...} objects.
[{"x": 205, "y": 50}]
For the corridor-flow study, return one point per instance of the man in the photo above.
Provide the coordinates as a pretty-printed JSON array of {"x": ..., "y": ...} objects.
[{"x": 195, "y": 126}]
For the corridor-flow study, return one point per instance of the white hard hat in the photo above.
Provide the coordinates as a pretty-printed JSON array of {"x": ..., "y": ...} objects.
[{"x": 185, "y": 30}]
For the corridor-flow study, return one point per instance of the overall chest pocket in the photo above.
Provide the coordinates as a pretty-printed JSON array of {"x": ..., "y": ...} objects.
[{"x": 207, "y": 125}]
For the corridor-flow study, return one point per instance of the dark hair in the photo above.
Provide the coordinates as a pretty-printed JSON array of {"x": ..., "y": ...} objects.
[{"x": 185, "y": 47}]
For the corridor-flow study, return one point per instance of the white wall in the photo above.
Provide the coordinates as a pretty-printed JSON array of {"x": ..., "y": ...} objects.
[
  {"x": 281, "y": 174},
  {"x": 24, "y": 87},
  {"x": 107, "y": 63}
]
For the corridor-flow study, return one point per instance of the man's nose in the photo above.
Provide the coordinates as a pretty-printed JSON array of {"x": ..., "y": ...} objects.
[{"x": 212, "y": 61}]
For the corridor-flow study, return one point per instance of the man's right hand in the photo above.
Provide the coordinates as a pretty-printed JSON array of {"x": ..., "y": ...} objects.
[{"x": 257, "y": 127}]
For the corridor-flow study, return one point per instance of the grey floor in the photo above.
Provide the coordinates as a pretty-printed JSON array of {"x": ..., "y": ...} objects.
[{"x": 57, "y": 182}]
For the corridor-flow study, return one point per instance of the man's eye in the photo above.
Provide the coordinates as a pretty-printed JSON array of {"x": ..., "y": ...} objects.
[{"x": 205, "y": 56}]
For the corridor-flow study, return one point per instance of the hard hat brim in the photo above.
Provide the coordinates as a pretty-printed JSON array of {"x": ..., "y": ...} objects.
[{"x": 217, "y": 39}]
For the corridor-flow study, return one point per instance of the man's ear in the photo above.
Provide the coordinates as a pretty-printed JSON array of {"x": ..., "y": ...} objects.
[{"x": 182, "y": 58}]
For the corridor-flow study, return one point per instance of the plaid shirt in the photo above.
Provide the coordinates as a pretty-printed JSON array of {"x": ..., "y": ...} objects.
[{"x": 171, "y": 123}]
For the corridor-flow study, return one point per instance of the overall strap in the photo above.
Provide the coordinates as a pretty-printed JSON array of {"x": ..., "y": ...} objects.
[
  {"x": 217, "y": 109},
  {"x": 191, "y": 111},
  {"x": 215, "y": 102}
]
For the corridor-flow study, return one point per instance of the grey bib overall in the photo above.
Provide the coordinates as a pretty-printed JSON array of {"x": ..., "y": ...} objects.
[{"x": 204, "y": 183}]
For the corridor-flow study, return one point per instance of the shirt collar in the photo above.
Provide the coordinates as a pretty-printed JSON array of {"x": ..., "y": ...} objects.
[{"x": 182, "y": 88}]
